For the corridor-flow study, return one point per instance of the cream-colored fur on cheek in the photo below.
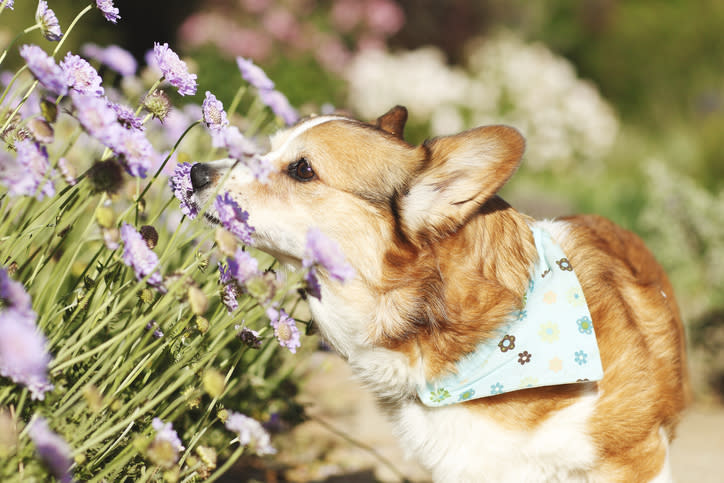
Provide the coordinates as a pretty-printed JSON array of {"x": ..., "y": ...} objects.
[{"x": 461, "y": 445}]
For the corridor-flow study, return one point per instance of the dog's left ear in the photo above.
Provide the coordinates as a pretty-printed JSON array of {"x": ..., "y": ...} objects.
[
  {"x": 393, "y": 121},
  {"x": 462, "y": 173}
]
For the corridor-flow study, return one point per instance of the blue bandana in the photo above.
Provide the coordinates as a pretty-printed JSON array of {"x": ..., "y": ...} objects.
[{"x": 550, "y": 341}]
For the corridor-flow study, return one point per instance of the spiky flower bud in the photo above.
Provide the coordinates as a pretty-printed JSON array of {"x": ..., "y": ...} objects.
[
  {"x": 202, "y": 324},
  {"x": 145, "y": 296},
  {"x": 105, "y": 216},
  {"x": 213, "y": 382},
  {"x": 158, "y": 104},
  {"x": 197, "y": 300}
]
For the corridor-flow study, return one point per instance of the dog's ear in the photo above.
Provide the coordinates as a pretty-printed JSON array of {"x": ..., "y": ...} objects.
[
  {"x": 462, "y": 173},
  {"x": 393, "y": 121}
]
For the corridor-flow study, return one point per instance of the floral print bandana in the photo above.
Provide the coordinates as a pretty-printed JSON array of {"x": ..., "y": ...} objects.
[{"x": 550, "y": 341}]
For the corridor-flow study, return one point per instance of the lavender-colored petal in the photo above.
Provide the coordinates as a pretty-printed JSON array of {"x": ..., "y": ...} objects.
[
  {"x": 325, "y": 252},
  {"x": 165, "y": 432},
  {"x": 117, "y": 58},
  {"x": 233, "y": 218},
  {"x": 97, "y": 118},
  {"x": 243, "y": 267},
  {"x": 213, "y": 113},
  {"x": 182, "y": 189},
  {"x": 44, "y": 68},
  {"x": 28, "y": 173},
  {"x": 253, "y": 74},
  {"x": 48, "y": 22},
  {"x": 81, "y": 76},
  {"x": 138, "y": 256},
  {"x": 250, "y": 431},
  {"x": 108, "y": 10},
  {"x": 52, "y": 449},
  {"x": 174, "y": 70},
  {"x": 7, "y": 4},
  {"x": 126, "y": 116},
  {"x": 136, "y": 150},
  {"x": 286, "y": 331},
  {"x": 279, "y": 104}
]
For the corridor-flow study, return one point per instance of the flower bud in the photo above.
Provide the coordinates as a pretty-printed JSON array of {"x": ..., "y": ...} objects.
[
  {"x": 202, "y": 324},
  {"x": 197, "y": 300},
  {"x": 150, "y": 236},
  {"x": 41, "y": 130},
  {"x": 105, "y": 216},
  {"x": 158, "y": 104},
  {"x": 145, "y": 296},
  {"x": 223, "y": 415},
  {"x": 226, "y": 242},
  {"x": 213, "y": 382}
]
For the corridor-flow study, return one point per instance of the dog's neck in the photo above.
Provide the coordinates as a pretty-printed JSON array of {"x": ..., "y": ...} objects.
[{"x": 442, "y": 300}]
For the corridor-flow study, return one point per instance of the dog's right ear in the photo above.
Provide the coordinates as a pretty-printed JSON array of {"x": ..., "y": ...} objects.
[
  {"x": 393, "y": 121},
  {"x": 462, "y": 173}
]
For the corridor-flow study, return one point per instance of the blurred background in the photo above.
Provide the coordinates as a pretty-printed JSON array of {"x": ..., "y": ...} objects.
[{"x": 622, "y": 104}]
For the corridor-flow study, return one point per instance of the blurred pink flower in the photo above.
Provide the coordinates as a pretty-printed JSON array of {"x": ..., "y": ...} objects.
[
  {"x": 281, "y": 24},
  {"x": 255, "y": 6},
  {"x": 347, "y": 14},
  {"x": 385, "y": 16}
]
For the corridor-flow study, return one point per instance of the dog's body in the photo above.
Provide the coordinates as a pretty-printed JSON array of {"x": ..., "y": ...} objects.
[{"x": 441, "y": 264}]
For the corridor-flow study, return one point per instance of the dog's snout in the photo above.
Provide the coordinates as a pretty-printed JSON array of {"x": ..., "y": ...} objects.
[{"x": 200, "y": 176}]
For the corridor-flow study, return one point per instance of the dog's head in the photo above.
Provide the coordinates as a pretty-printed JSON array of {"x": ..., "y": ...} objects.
[{"x": 369, "y": 190}]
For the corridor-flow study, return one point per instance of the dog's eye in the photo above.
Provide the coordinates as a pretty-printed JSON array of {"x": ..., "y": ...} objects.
[{"x": 301, "y": 170}]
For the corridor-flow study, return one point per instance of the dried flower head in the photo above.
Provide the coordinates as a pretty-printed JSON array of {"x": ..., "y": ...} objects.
[
  {"x": 41, "y": 130},
  {"x": 48, "y": 22},
  {"x": 229, "y": 289},
  {"x": 150, "y": 236},
  {"x": 44, "y": 68},
  {"x": 158, "y": 104},
  {"x": 250, "y": 338},
  {"x": 108, "y": 10},
  {"x": 97, "y": 118},
  {"x": 174, "y": 70},
  {"x": 106, "y": 176}
]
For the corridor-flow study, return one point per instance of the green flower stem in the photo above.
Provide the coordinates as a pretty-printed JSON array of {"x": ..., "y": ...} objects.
[
  {"x": 12, "y": 81},
  {"x": 236, "y": 100},
  {"x": 17, "y": 108},
  {"x": 27, "y": 30},
  {"x": 150, "y": 91},
  {"x": 163, "y": 165},
  {"x": 70, "y": 28},
  {"x": 227, "y": 464}
]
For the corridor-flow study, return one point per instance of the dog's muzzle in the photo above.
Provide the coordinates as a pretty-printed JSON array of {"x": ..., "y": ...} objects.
[{"x": 200, "y": 176}]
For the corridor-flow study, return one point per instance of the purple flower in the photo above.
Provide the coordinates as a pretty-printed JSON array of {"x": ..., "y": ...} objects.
[
  {"x": 108, "y": 11},
  {"x": 249, "y": 337},
  {"x": 285, "y": 329},
  {"x": 113, "y": 56},
  {"x": 174, "y": 70},
  {"x": 7, "y": 4},
  {"x": 23, "y": 354},
  {"x": 27, "y": 174},
  {"x": 97, "y": 118},
  {"x": 279, "y": 104},
  {"x": 81, "y": 76},
  {"x": 52, "y": 449},
  {"x": 67, "y": 171},
  {"x": 233, "y": 218},
  {"x": 230, "y": 290},
  {"x": 136, "y": 150},
  {"x": 137, "y": 255},
  {"x": 324, "y": 252},
  {"x": 313, "y": 287},
  {"x": 242, "y": 267},
  {"x": 213, "y": 113},
  {"x": 253, "y": 74},
  {"x": 241, "y": 148},
  {"x": 183, "y": 191},
  {"x": 165, "y": 432},
  {"x": 48, "y": 22},
  {"x": 127, "y": 117},
  {"x": 44, "y": 68},
  {"x": 157, "y": 332},
  {"x": 250, "y": 432}
]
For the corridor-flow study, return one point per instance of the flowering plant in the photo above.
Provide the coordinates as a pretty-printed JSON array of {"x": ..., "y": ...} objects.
[{"x": 123, "y": 354}]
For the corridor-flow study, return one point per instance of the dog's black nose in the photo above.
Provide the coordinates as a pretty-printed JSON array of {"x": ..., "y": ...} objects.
[{"x": 200, "y": 176}]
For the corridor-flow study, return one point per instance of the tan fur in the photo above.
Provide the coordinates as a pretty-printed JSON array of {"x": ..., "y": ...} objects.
[{"x": 442, "y": 262}]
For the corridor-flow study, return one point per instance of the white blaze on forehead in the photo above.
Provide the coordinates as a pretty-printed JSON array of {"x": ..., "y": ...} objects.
[{"x": 298, "y": 131}]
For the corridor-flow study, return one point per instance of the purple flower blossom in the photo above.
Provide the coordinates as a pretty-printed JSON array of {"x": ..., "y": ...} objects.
[
  {"x": 23, "y": 355},
  {"x": 52, "y": 448},
  {"x": 27, "y": 174},
  {"x": 7, "y": 4},
  {"x": 213, "y": 113},
  {"x": 285, "y": 329},
  {"x": 313, "y": 287},
  {"x": 157, "y": 332},
  {"x": 113, "y": 56},
  {"x": 97, "y": 118},
  {"x": 230, "y": 290},
  {"x": 81, "y": 76},
  {"x": 108, "y": 11},
  {"x": 165, "y": 432},
  {"x": 136, "y": 150},
  {"x": 180, "y": 184},
  {"x": 48, "y": 22},
  {"x": 249, "y": 337},
  {"x": 127, "y": 117},
  {"x": 253, "y": 74},
  {"x": 242, "y": 267},
  {"x": 44, "y": 68},
  {"x": 137, "y": 255},
  {"x": 174, "y": 70},
  {"x": 233, "y": 218},
  {"x": 241, "y": 148},
  {"x": 279, "y": 104},
  {"x": 250, "y": 432},
  {"x": 324, "y": 252},
  {"x": 66, "y": 170}
]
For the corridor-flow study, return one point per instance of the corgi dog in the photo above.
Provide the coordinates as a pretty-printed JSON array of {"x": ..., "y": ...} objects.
[{"x": 446, "y": 271}]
